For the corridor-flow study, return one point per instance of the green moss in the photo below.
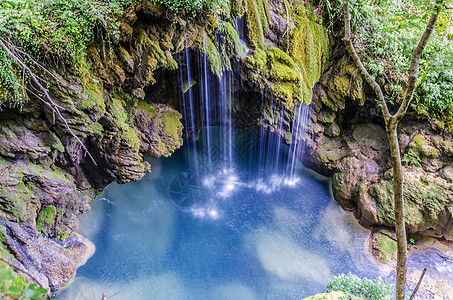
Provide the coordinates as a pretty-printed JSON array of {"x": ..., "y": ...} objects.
[
  {"x": 386, "y": 247},
  {"x": 214, "y": 57},
  {"x": 38, "y": 170},
  {"x": 418, "y": 141},
  {"x": 63, "y": 237},
  {"x": 258, "y": 60},
  {"x": 95, "y": 128},
  {"x": 309, "y": 46},
  {"x": 143, "y": 106},
  {"x": 92, "y": 93},
  {"x": 237, "y": 8},
  {"x": 132, "y": 138},
  {"x": 282, "y": 66},
  {"x": 156, "y": 56},
  {"x": 2, "y": 232},
  {"x": 262, "y": 7},
  {"x": 119, "y": 114},
  {"x": 57, "y": 143},
  {"x": 254, "y": 27},
  {"x": 233, "y": 39},
  {"x": 432, "y": 153},
  {"x": 172, "y": 124},
  {"x": 19, "y": 201},
  {"x": 46, "y": 217}
]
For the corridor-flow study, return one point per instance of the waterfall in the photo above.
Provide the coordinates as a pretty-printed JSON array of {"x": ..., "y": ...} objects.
[
  {"x": 211, "y": 103},
  {"x": 299, "y": 134},
  {"x": 206, "y": 101},
  {"x": 187, "y": 103}
]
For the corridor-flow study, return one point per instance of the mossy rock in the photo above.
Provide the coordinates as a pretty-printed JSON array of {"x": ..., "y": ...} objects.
[
  {"x": 234, "y": 43},
  {"x": 335, "y": 295},
  {"x": 384, "y": 247},
  {"x": 274, "y": 70},
  {"x": 426, "y": 201},
  {"x": 310, "y": 49},
  {"x": 46, "y": 218},
  {"x": 255, "y": 16}
]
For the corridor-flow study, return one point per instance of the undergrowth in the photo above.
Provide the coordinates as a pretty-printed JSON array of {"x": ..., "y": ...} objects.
[
  {"x": 13, "y": 286},
  {"x": 352, "y": 285},
  {"x": 55, "y": 31},
  {"x": 385, "y": 34},
  {"x": 192, "y": 8}
]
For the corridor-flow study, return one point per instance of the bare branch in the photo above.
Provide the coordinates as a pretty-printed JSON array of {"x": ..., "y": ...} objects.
[
  {"x": 42, "y": 89},
  {"x": 35, "y": 62},
  {"x": 418, "y": 284},
  {"x": 415, "y": 63},
  {"x": 359, "y": 64}
]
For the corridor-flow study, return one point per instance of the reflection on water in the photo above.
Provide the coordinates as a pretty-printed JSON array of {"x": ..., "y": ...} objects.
[{"x": 240, "y": 232}]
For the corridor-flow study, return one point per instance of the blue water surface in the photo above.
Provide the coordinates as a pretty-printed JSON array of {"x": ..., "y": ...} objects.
[{"x": 220, "y": 221}]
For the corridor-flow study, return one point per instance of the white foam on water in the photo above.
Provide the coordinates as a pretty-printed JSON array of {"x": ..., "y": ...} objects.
[
  {"x": 210, "y": 211},
  {"x": 233, "y": 291},
  {"x": 282, "y": 257},
  {"x": 289, "y": 221},
  {"x": 273, "y": 183}
]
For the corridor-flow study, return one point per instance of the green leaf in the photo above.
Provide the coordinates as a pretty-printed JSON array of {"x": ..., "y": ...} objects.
[
  {"x": 6, "y": 274},
  {"x": 33, "y": 291}
]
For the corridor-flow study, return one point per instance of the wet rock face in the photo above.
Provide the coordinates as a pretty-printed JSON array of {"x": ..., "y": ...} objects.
[
  {"x": 47, "y": 177},
  {"x": 356, "y": 155}
]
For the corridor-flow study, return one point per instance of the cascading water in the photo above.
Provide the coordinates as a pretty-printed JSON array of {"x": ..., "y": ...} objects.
[
  {"x": 299, "y": 135},
  {"x": 213, "y": 105},
  {"x": 232, "y": 215},
  {"x": 206, "y": 101}
]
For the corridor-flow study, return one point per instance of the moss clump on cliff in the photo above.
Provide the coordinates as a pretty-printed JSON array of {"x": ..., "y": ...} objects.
[
  {"x": 309, "y": 47},
  {"x": 233, "y": 41},
  {"x": 123, "y": 120},
  {"x": 385, "y": 246},
  {"x": 289, "y": 76},
  {"x": 93, "y": 93},
  {"x": 145, "y": 107},
  {"x": 46, "y": 218}
]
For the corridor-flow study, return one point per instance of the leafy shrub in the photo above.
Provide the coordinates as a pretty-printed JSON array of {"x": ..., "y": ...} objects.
[
  {"x": 386, "y": 34},
  {"x": 193, "y": 7},
  {"x": 53, "y": 30},
  {"x": 352, "y": 285},
  {"x": 411, "y": 158},
  {"x": 16, "y": 287}
]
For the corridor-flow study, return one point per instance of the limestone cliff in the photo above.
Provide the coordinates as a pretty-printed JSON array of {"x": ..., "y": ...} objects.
[{"x": 349, "y": 143}]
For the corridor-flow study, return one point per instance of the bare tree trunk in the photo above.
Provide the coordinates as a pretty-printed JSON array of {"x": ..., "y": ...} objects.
[
  {"x": 400, "y": 228},
  {"x": 391, "y": 124}
]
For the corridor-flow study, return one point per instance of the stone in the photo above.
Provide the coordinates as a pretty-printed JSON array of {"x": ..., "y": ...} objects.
[
  {"x": 383, "y": 246},
  {"x": 371, "y": 135}
]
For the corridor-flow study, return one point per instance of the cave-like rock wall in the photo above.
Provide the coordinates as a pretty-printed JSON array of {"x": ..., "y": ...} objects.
[{"x": 349, "y": 143}]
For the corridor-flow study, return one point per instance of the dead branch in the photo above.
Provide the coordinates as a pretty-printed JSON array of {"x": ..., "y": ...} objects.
[
  {"x": 42, "y": 89},
  {"x": 418, "y": 284}
]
